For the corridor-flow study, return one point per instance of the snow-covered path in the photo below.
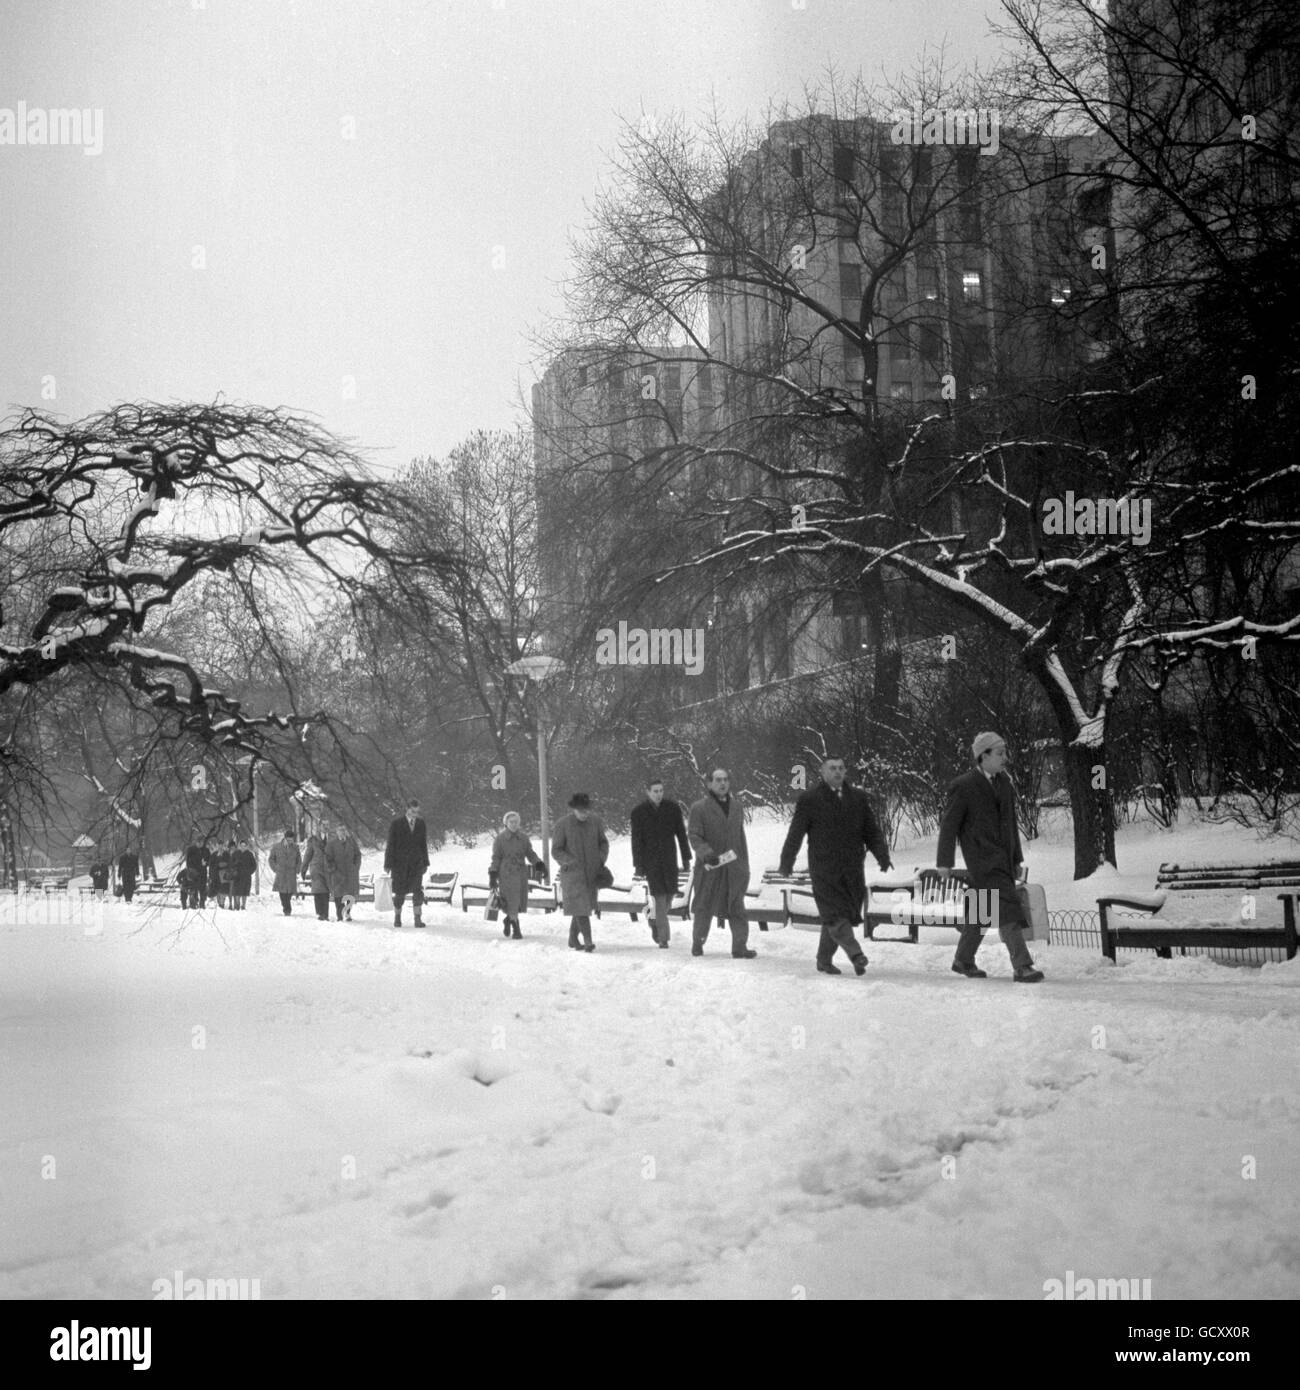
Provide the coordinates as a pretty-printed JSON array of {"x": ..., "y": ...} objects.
[{"x": 449, "y": 1114}]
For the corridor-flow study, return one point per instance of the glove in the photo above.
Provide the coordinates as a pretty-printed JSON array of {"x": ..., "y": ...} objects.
[
  {"x": 886, "y": 864},
  {"x": 708, "y": 856},
  {"x": 783, "y": 872},
  {"x": 492, "y": 878}
]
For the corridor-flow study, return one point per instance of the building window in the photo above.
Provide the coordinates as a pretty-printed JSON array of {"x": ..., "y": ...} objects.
[
  {"x": 842, "y": 162},
  {"x": 1059, "y": 293},
  {"x": 927, "y": 282},
  {"x": 900, "y": 391},
  {"x": 796, "y": 162},
  {"x": 900, "y": 345},
  {"x": 972, "y": 287},
  {"x": 850, "y": 282}
]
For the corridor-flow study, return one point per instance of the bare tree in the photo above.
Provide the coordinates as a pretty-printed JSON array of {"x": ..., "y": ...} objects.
[{"x": 149, "y": 506}]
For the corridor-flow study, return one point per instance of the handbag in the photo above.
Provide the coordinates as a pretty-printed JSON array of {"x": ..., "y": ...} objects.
[
  {"x": 492, "y": 908},
  {"x": 537, "y": 873},
  {"x": 604, "y": 879}
]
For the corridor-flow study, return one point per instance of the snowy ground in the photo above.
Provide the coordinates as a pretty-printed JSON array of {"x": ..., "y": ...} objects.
[{"x": 343, "y": 1110}]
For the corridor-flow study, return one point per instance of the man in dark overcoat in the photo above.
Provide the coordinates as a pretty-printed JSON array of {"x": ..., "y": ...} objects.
[
  {"x": 406, "y": 857},
  {"x": 196, "y": 862},
  {"x": 716, "y": 832},
  {"x": 128, "y": 871},
  {"x": 840, "y": 826},
  {"x": 981, "y": 817},
  {"x": 658, "y": 828}
]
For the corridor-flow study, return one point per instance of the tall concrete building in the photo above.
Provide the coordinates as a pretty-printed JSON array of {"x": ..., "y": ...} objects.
[{"x": 923, "y": 275}]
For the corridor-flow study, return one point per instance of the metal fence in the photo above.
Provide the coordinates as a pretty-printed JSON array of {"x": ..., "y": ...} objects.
[{"x": 1082, "y": 928}]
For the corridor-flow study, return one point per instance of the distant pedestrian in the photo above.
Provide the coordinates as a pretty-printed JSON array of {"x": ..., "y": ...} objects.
[
  {"x": 840, "y": 826},
  {"x": 284, "y": 861},
  {"x": 195, "y": 872},
  {"x": 981, "y": 817},
  {"x": 128, "y": 871},
  {"x": 658, "y": 829},
  {"x": 316, "y": 871},
  {"x": 716, "y": 831},
  {"x": 406, "y": 859},
  {"x": 343, "y": 869},
  {"x": 216, "y": 874},
  {"x": 243, "y": 865},
  {"x": 512, "y": 853},
  {"x": 100, "y": 871},
  {"x": 580, "y": 847},
  {"x": 228, "y": 872}
]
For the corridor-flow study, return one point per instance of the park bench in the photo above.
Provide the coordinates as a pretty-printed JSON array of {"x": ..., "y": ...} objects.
[
  {"x": 438, "y": 888},
  {"x": 801, "y": 908},
  {"x": 1142, "y": 932}
]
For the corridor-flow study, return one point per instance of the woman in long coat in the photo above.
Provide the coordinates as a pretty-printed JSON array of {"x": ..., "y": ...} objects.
[
  {"x": 316, "y": 872},
  {"x": 285, "y": 860},
  {"x": 343, "y": 872},
  {"x": 243, "y": 865},
  {"x": 511, "y": 855},
  {"x": 580, "y": 847}
]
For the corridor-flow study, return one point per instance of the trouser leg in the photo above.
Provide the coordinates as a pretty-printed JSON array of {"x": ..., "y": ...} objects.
[
  {"x": 1009, "y": 916},
  {"x": 661, "y": 905},
  {"x": 322, "y": 901},
  {"x": 585, "y": 923},
  {"x": 398, "y": 900},
  {"x": 739, "y": 934},
  {"x": 573, "y": 931},
  {"x": 286, "y": 901},
  {"x": 700, "y": 928},
  {"x": 837, "y": 934}
]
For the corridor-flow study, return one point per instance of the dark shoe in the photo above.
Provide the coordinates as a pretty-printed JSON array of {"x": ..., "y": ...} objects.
[
  {"x": 1028, "y": 977},
  {"x": 589, "y": 946},
  {"x": 663, "y": 945},
  {"x": 829, "y": 969},
  {"x": 972, "y": 972},
  {"x": 743, "y": 955},
  {"x": 417, "y": 923},
  {"x": 514, "y": 933},
  {"x": 505, "y": 930},
  {"x": 860, "y": 965},
  {"x": 697, "y": 950}
]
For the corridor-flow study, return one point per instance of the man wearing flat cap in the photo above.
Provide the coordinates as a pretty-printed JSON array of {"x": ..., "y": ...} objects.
[{"x": 981, "y": 817}]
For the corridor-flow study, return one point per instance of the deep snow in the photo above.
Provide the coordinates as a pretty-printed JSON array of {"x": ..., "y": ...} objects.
[{"x": 445, "y": 1113}]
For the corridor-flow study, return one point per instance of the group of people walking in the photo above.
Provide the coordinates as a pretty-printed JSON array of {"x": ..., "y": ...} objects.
[
  {"x": 708, "y": 841},
  {"x": 223, "y": 873},
  {"x": 834, "y": 818}
]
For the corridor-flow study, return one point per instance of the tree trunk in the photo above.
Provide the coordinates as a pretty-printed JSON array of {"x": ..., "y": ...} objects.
[
  {"x": 1094, "y": 828},
  {"x": 8, "y": 851}
]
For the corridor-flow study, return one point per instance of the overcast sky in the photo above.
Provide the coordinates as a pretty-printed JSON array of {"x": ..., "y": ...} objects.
[{"x": 477, "y": 125}]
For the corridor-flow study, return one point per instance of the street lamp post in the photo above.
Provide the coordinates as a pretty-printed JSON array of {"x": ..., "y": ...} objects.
[{"x": 538, "y": 669}]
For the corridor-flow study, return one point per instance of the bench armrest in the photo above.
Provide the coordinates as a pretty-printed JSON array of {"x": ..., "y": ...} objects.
[{"x": 1143, "y": 902}]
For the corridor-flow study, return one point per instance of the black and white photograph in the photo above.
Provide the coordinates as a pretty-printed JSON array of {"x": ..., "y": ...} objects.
[{"x": 650, "y": 651}]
